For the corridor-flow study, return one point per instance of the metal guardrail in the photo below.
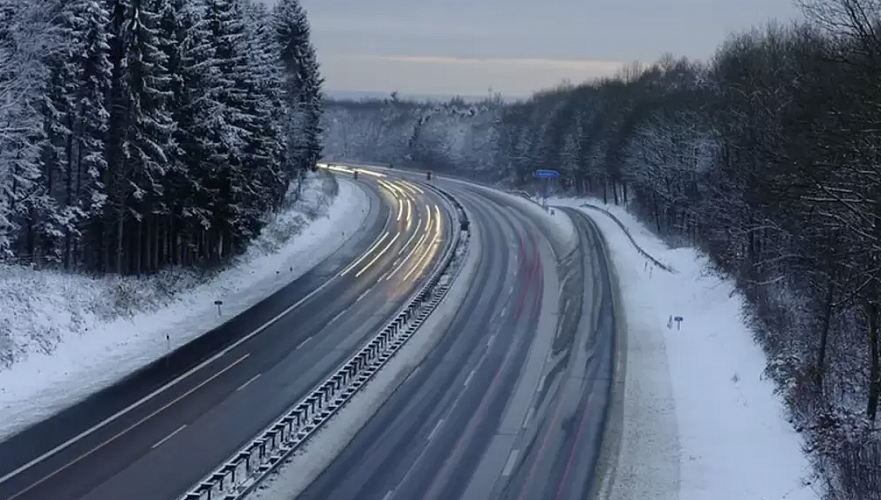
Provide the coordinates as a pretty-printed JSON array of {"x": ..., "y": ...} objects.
[
  {"x": 624, "y": 228},
  {"x": 241, "y": 474}
]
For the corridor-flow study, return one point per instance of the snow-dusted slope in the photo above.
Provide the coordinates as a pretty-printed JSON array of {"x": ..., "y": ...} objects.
[
  {"x": 699, "y": 420},
  {"x": 64, "y": 337}
]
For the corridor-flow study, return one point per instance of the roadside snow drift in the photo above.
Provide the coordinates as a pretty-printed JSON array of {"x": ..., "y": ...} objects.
[
  {"x": 699, "y": 420},
  {"x": 63, "y": 337}
]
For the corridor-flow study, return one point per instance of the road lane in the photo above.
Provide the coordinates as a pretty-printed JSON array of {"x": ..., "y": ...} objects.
[
  {"x": 566, "y": 442},
  {"x": 203, "y": 419},
  {"x": 425, "y": 441},
  {"x": 456, "y": 428}
]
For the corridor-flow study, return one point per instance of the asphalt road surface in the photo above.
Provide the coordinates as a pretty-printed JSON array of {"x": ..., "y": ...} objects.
[
  {"x": 455, "y": 429},
  {"x": 559, "y": 453},
  {"x": 157, "y": 433}
]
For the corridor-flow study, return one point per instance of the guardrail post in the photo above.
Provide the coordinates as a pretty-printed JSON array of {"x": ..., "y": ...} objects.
[{"x": 310, "y": 409}]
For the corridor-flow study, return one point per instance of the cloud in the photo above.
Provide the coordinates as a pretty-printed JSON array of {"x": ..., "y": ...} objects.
[{"x": 446, "y": 75}]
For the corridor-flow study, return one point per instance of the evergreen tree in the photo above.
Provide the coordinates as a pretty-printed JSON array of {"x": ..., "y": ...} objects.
[
  {"x": 302, "y": 85},
  {"x": 187, "y": 53},
  {"x": 227, "y": 179},
  {"x": 75, "y": 121},
  {"x": 136, "y": 134},
  {"x": 92, "y": 116},
  {"x": 265, "y": 144},
  {"x": 26, "y": 36},
  {"x": 141, "y": 128}
]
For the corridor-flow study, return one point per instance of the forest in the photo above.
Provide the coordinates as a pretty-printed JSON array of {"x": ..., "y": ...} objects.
[
  {"x": 137, "y": 135},
  {"x": 765, "y": 157}
]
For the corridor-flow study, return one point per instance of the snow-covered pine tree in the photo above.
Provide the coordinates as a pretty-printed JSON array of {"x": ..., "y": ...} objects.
[
  {"x": 184, "y": 43},
  {"x": 57, "y": 225},
  {"x": 264, "y": 143},
  {"x": 26, "y": 35},
  {"x": 200, "y": 121},
  {"x": 302, "y": 85},
  {"x": 232, "y": 216},
  {"x": 140, "y": 130},
  {"x": 91, "y": 126},
  {"x": 75, "y": 122}
]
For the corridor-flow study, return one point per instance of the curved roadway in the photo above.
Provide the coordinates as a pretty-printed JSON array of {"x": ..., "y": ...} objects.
[
  {"x": 157, "y": 433},
  {"x": 512, "y": 402}
]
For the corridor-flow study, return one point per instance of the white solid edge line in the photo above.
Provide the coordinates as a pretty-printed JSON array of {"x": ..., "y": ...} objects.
[{"x": 168, "y": 385}]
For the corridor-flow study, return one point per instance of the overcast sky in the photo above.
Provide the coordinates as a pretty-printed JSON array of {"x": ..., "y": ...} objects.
[{"x": 513, "y": 46}]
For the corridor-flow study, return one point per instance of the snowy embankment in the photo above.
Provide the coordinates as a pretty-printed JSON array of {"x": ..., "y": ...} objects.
[
  {"x": 699, "y": 419},
  {"x": 63, "y": 337}
]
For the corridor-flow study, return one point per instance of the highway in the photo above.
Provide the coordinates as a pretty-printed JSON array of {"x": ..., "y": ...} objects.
[
  {"x": 560, "y": 451},
  {"x": 158, "y": 432},
  {"x": 511, "y": 403}
]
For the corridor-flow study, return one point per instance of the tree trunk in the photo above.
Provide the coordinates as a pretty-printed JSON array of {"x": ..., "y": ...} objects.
[
  {"x": 68, "y": 192},
  {"x": 120, "y": 237},
  {"x": 875, "y": 369},
  {"x": 824, "y": 336}
]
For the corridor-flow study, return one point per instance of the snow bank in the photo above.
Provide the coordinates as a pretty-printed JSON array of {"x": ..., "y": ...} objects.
[
  {"x": 699, "y": 420},
  {"x": 63, "y": 337}
]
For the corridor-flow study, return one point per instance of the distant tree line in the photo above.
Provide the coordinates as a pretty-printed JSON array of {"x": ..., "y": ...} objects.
[
  {"x": 767, "y": 157},
  {"x": 140, "y": 134}
]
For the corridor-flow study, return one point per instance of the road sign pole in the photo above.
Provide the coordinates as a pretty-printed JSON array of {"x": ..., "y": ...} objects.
[
  {"x": 545, "y": 197},
  {"x": 547, "y": 175}
]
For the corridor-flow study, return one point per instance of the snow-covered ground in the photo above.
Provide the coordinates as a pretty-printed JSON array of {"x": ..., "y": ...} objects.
[
  {"x": 63, "y": 337},
  {"x": 699, "y": 420}
]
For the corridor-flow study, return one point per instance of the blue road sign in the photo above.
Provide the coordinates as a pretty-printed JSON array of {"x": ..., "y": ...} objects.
[{"x": 547, "y": 174}]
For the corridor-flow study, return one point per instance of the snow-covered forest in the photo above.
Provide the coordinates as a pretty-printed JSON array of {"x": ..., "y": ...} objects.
[
  {"x": 765, "y": 157},
  {"x": 141, "y": 134}
]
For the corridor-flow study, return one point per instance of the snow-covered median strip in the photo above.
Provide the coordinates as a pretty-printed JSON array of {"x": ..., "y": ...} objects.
[
  {"x": 64, "y": 343},
  {"x": 699, "y": 420},
  {"x": 310, "y": 461}
]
